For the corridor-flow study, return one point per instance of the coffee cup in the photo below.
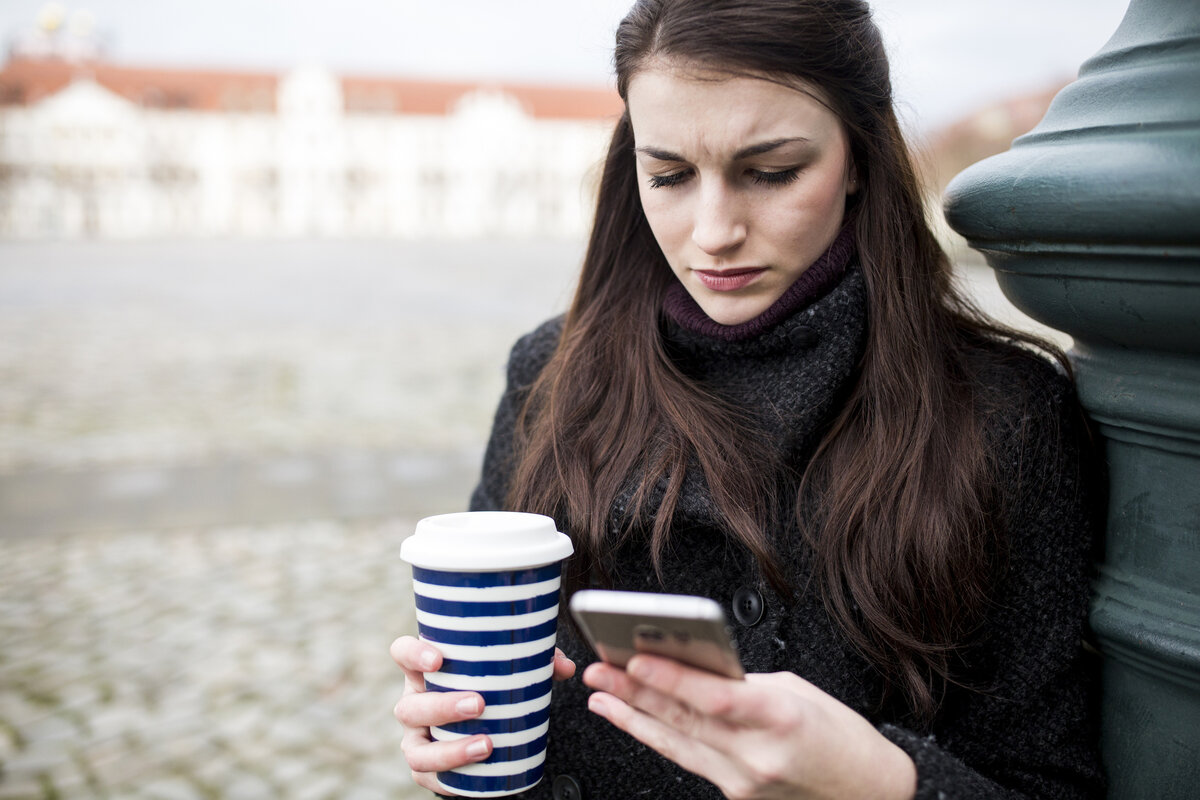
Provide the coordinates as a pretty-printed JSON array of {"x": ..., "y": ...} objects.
[{"x": 486, "y": 585}]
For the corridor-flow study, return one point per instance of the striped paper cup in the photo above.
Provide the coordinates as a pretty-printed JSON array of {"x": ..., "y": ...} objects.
[{"x": 486, "y": 586}]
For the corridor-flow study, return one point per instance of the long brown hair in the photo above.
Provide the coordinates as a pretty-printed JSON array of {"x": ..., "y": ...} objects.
[{"x": 902, "y": 542}]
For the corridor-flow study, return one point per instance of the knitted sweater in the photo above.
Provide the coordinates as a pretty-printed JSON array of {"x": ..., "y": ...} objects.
[{"x": 1028, "y": 727}]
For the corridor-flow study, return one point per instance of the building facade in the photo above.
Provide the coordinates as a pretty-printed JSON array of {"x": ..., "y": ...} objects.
[{"x": 94, "y": 150}]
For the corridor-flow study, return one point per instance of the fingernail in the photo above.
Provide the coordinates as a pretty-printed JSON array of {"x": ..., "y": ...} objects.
[
  {"x": 640, "y": 669},
  {"x": 428, "y": 659},
  {"x": 477, "y": 748},
  {"x": 468, "y": 705},
  {"x": 598, "y": 706}
]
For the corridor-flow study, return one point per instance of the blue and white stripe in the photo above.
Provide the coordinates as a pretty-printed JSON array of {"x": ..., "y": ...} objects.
[{"x": 496, "y": 632}]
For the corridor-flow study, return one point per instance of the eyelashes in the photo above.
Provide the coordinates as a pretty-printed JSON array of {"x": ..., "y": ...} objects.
[
  {"x": 672, "y": 179},
  {"x": 780, "y": 178},
  {"x": 760, "y": 177}
]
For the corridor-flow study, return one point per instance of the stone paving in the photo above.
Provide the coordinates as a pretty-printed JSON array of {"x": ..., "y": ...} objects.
[
  {"x": 223, "y": 663},
  {"x": 209, "y": 454}
]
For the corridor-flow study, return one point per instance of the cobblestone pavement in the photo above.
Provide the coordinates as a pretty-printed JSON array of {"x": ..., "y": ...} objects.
[
  {"x": 221, "y": 663},
  {"x": 152, "y": 393}
]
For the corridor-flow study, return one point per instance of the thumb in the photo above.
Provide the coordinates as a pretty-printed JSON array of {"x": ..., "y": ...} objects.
[{"x": 563, "y": 667}]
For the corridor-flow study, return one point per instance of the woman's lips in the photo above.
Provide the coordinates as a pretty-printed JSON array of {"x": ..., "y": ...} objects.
[{"x": 728, "y": 280}]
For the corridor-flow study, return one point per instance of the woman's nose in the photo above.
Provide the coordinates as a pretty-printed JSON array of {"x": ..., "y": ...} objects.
[{"x": 719, "y": 226}]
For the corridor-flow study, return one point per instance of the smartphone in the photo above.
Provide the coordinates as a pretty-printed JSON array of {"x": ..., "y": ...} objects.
[{"x": 688, "y": 629}]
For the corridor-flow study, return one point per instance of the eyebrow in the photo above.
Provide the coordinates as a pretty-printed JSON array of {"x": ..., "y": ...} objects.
[{"x": 746, "y": 152}]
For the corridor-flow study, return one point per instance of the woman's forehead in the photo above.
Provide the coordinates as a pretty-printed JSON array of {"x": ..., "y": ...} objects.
[{"x": 677, "y": 105}]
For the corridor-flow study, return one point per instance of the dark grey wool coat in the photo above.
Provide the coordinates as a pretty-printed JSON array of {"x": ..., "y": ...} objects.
[{"x": 1028, "y": 728}]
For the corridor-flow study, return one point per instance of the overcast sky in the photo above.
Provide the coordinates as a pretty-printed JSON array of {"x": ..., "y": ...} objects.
[{"x": 948, "y": 57}]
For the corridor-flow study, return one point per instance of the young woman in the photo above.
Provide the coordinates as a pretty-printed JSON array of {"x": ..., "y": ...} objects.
[{"x": 767, "y": 391}]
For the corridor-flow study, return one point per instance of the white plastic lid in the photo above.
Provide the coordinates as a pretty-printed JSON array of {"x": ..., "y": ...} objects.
[{"x": 487, "y": 541}]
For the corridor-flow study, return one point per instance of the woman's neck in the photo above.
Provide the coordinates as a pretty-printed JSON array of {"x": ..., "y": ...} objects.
[{"x": 814, "y": 282}]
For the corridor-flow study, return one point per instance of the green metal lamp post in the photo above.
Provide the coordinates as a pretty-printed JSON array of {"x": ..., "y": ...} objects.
[{"x": 1092, "y": 223}]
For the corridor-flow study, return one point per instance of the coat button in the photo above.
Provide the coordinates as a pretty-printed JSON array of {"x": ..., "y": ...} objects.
[
  {"x": 748, "y": 606},
  {"x": 802, "y": 336},
  {"x": 567, "y": 788}
]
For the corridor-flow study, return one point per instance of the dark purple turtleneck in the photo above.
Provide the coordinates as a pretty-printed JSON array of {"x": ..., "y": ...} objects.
[{"x": 815, "y": 281}]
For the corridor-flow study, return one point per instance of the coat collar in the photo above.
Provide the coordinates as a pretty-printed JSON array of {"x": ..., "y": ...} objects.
[{"x": 793, "y": 380}]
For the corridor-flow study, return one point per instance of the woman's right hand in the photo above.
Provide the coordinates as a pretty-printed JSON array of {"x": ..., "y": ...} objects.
[{"x": 418, "y": 710}]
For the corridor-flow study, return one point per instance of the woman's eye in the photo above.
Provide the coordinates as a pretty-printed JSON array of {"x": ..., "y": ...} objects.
[
  {"x": 780, "y": 178},
  {"x": 673, "y": 179}
]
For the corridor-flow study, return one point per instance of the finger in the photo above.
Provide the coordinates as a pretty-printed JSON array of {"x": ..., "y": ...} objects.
[
  {"x": 415, "y": 658},
  {"x": 680, "y": 716},
  {"x": 733, "y": 701},
  {"x": 442, "y": 756},
  {"x": 428, "y": 780},
  {"x": 563, "y": 667},
  {"x": 425, "y": 709},
  {"x": 691, "y": 754},
  {"x": 618, "y": 682},
  {"x": 604, "y": 677},
  {"x": 413, "y": 654}
]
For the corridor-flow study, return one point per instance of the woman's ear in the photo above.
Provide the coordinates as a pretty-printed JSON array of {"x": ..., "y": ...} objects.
[{"x": 852, "y": 179}]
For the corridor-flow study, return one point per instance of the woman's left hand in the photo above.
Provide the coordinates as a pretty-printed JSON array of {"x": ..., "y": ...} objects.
[{"x": 769, "y": 736}]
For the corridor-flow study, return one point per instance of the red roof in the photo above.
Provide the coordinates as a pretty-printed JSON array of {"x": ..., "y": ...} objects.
[
  {"x": 24, "y": 81},
  {"x": 439, "y": 97}
]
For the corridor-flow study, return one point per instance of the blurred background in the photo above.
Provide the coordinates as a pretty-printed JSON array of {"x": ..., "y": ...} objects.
[{"x": 261, "y": 263}]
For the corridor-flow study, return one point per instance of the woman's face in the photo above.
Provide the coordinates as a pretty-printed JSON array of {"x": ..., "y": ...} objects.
[{"x": 743, "y": 181}]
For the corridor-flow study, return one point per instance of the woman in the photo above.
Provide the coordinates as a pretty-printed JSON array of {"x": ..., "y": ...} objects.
[{"x": 766, "y": 391}]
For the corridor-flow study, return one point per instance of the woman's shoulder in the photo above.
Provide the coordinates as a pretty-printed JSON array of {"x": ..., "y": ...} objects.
[
  {"x": 532, "y": 351},
  {"x": 1034, "y": 426},
  {"x": 1018, "y": 377}
]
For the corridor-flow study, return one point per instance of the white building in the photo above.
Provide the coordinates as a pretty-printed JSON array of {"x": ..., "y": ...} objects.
[{"x": 98, "y": 150}]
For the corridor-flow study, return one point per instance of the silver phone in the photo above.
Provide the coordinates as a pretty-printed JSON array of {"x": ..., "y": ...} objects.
[{"x": 688, "y": 629}]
